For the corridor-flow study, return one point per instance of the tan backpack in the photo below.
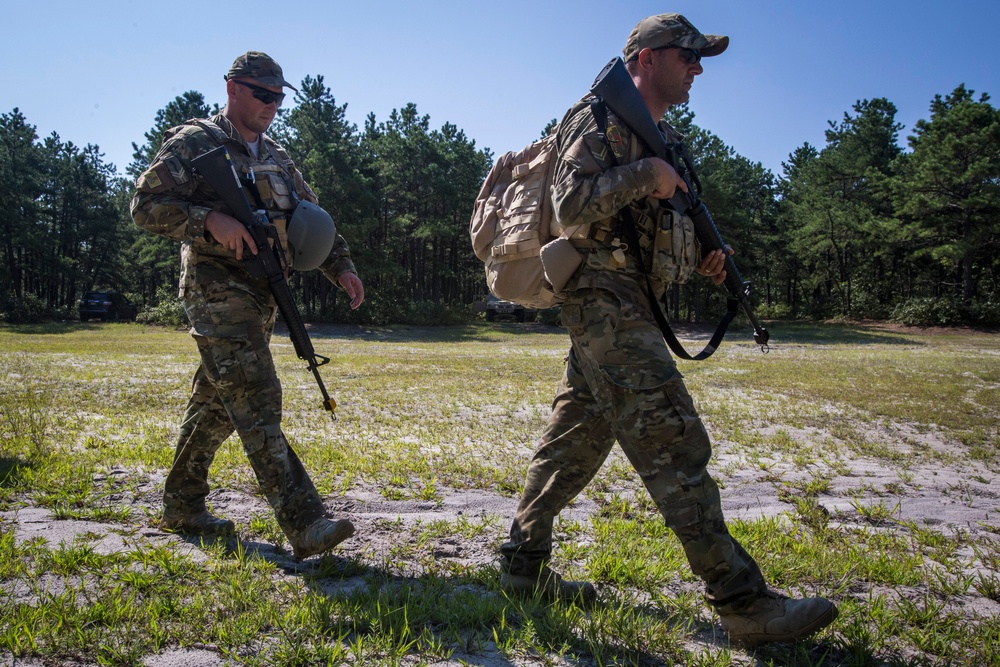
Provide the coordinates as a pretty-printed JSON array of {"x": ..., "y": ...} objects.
[{"x": 513, "y": 229}]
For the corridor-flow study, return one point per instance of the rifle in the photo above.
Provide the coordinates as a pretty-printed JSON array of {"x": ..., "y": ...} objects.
[
  {"x": 216, "y": 166},
  {"x": 615, "y": 88}
]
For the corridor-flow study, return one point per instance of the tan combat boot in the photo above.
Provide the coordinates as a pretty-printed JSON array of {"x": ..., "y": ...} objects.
[
  {"x": 199, "y": 523},
  {"x": 321, "y": 535},
  {"x": 775, "y": 618},
  {"x": 548, "y": 584}
]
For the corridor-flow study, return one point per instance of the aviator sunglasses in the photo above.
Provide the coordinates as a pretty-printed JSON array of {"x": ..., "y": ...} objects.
[{"x": 263, "y": 94}]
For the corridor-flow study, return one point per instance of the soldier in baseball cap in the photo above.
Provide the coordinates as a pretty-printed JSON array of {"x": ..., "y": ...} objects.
[
  {"x": 663, "y": 30},
  {"x": 260, "y": 67},
  {"x": 621, "y": 384},
  {"x": 231, "y": 313}
]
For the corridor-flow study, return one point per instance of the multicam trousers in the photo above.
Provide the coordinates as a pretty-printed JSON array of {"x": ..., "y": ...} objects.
[
  {"x": 236, "y": 387},
  {"x": 622, "y": 384}
]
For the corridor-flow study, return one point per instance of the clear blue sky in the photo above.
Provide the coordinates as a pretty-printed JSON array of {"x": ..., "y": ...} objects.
[{"x": 98, "y": 72}]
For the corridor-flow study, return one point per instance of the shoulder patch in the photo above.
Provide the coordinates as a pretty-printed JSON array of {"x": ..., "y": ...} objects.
[
  {"x": 614, "y": 137},
  {"x": 163, "y": 175},
  {"x": 152, "y": 180}
]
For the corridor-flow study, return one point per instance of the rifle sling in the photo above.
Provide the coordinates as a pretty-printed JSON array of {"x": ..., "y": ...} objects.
[{"x": 600, "y": 112}]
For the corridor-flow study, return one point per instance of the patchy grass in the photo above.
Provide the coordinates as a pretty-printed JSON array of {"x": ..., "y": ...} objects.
[{"x": 856, "y": 462}]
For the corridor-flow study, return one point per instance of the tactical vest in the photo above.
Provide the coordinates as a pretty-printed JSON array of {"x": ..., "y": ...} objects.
[
  {"x": 667, "y": 240},
  {"x": 267, "y": 180}
]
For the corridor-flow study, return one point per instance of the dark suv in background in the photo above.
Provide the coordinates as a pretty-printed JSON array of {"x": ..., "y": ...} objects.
[{"x": 109, "y": 306}]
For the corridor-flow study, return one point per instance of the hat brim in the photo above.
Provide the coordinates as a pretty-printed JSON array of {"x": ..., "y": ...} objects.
[
  {"x": 716, "y": 45},
  {"x": 274, "y": 81}
]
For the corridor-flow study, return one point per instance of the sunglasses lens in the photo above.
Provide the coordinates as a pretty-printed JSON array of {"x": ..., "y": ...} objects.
[
  {"x": 266, "y": 96},
  {"x": 263, "y": 94}
]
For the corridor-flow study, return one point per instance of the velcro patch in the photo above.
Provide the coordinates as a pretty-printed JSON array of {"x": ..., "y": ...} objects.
[
  {"x": 264, "y": 188},
  {"x": 155, "y": 179},
  {"x": 614, "y": 137},
  {"x": 152, "y": 180}
]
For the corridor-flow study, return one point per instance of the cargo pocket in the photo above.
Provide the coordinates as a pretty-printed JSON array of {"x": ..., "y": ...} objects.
[
  {"x": 637, "y": 396},
  {"x": 652, "y": 401},
  {"x": 694, "y": 448},
  {"x": 223, "y": 349},
  {"x": 638, "y": 377}
]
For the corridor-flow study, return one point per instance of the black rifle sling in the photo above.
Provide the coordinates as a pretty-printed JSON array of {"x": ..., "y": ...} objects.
[{"x": 600, "y": 113}]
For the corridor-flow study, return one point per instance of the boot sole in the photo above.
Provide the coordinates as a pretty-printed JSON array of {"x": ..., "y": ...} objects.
[{"x": 344, "y": 530}]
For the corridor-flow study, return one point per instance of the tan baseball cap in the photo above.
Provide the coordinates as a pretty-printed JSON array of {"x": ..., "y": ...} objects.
[
  {"x": 656, "y": 32},
  {"x": 259, "y": 66}
]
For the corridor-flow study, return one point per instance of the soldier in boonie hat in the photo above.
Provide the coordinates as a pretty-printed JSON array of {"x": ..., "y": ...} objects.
[
  {"x": 662, "y": 30},
  {"x": 260, "y": 67}
]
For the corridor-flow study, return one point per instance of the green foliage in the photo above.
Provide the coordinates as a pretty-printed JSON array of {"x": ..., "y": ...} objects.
[
  {"x": 833, "y": 212},
  {"x": 417, "y": 245},
  {"x": 166, "y": 309},
  {"x": 927, "y": 312},
  {"x": 27, "y": 309},
  {"x": 774, "y": 311},
  {"x": 946, "y": 311},
  {"x": 984, "y": 311},
  {"x": 949, "y": 194},
  {"x": 549, "y": 316},
  {"x": 180, "y": 109},
  {"x": 25, "y": 416},
  {"x": 381, "y": 311},
  {"x": 61, "y": 219},
  {"x": 855, "y": 228},
  {"x": 154, "y": 259}
]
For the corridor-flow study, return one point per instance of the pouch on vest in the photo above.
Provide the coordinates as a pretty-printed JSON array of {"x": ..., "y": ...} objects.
[{"x": 675, "y": 248}]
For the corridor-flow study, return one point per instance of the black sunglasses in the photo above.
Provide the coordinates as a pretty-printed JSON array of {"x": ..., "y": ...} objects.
[
  {"x": 263, "y": 94},
  {"x": 690, "y": 56}
]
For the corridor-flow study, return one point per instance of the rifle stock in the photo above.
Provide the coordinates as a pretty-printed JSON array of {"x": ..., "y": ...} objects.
[
  {"x": 216, "y": 167},
  {"x": 615, "y": 87}
]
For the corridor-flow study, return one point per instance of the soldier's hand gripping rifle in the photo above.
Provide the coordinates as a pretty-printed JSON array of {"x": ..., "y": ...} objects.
[
  {"x": 216, "y": 167},
  {"x": 615, "y": 87}
]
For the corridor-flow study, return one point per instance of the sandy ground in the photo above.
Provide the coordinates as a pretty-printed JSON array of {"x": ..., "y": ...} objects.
[
  {"x": 943, "y": 497},
  {"x": 958, "y": 497}
]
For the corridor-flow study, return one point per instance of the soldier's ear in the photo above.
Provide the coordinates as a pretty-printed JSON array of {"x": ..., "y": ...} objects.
[{"x": 645, "y": 58}]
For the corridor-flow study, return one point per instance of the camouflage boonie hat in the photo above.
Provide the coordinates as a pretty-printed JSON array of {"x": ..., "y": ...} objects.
[
  {"x": 260, "y": 67},
  {"x": 655, "y": 32}
]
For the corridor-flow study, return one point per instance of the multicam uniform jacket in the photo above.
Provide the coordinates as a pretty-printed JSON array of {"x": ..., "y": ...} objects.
[
  {"x": 595, "y": 178},
  {"x": 171, "y": 199}
]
